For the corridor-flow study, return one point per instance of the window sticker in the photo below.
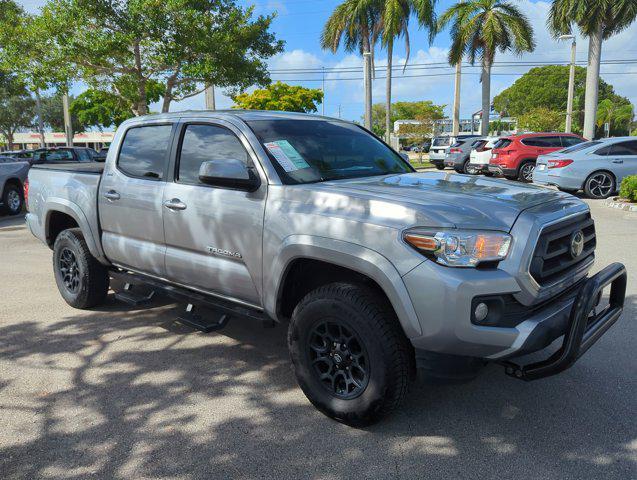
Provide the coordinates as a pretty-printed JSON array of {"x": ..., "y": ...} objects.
[{"x": 286, "y": 155}]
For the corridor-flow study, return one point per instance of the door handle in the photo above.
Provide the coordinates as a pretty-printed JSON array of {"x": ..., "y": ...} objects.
[
  {"x": 112, "y": 195},
  {"x": 175, "y": 204},
  {"x": 618, "y": 161}
]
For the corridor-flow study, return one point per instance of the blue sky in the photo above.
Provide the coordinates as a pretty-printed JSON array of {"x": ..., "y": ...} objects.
[{"x": 299, "y": 24}]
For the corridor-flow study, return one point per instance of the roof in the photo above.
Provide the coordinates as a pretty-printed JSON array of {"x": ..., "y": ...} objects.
[{"x": 245, "y": 115}]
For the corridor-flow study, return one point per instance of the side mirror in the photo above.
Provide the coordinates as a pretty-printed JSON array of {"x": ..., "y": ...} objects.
[{"x": 229, "y": 173}]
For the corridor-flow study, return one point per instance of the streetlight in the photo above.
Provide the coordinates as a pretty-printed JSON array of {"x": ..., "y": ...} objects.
[{"x": 571, "y": 83}]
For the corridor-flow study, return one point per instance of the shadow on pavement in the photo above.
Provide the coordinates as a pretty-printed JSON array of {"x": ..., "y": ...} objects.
[{"x": 139, "y": 401}]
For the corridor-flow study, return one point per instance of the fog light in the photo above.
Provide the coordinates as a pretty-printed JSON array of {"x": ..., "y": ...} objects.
[{"x": 481, "y": 312}]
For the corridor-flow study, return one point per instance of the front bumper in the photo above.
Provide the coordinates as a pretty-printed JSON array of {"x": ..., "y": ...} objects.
[
  {"x": 585, "y": 326},
  {"x": 443, "y": 300}
]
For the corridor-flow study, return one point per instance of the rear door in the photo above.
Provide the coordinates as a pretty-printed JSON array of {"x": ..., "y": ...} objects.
[
  {"x": 214, "y": 238},
  {"x": 622, "y": 158},
  {"x": 130, "y": 199}
]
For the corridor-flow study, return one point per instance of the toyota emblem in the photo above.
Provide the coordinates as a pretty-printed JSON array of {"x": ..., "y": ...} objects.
[{"x": 577, "y": 244}]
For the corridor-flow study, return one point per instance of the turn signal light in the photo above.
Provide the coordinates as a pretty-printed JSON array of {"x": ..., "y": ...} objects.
[{"x": 559, "y": 163}]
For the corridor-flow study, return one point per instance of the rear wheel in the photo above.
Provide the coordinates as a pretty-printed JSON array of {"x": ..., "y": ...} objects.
[
  {"x": 12, "y": 199},
  {"x": 525, "y": 173},
  {"x": 82, "y": 281},
  {"x": 440, "y": 166},
  {"x": 599, "y": 185},
  {"x": 350, "y": 356}
]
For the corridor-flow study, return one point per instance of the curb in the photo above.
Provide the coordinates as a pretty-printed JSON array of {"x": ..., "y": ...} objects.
[{"x": 613, "y": 202}]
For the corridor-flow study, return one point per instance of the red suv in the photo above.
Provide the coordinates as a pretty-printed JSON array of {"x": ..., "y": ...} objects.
[{"x": 515, "y": 156}]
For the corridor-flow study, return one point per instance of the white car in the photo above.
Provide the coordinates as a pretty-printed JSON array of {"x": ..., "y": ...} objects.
[
  {"x": 596, "y": 167},
  {"x": 480, "y": 155}
]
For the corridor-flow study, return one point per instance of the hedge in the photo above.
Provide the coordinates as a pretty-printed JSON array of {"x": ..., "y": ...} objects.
[{"x": 628, "y": 188}]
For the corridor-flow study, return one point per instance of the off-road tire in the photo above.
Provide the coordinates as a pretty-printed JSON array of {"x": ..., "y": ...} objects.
[
  {"x": 91, "y": 277},
  {"x": 10, "y": 194},
  {"x": 368, "y": 315}
]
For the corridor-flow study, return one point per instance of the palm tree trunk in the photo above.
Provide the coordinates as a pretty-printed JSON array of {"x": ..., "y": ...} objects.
[
  {"x": 390, "y": 48},
  {"x": 455, "y": 126},
  {"x": 486, "y": 95},
  {"x": 592, "y": 82}
]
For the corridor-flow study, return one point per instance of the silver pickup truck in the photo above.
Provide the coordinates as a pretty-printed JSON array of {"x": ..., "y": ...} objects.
[{"x": 316, "y": 223}]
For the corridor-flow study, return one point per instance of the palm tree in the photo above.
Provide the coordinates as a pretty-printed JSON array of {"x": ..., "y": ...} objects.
[
  {"x": 598, "y": 20},
  {"x": 613, "y": 114},
  {"x": 354, "y": 22},
  {"x": 479, "y": 28},
  {"x": 394, "y": 23}
]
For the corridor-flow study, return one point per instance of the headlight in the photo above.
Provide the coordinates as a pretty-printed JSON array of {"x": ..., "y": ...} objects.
[{"x": 460, "y": 248}]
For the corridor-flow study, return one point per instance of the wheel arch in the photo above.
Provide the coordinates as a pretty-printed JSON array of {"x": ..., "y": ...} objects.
[
  {"x": 334, "y": 260},
  {"x": 62, "y": 214},
  {"x": 600, "y": 170}
]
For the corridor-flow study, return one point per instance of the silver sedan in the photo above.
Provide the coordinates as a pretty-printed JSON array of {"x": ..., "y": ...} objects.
[{"x": 597, "y": 167}]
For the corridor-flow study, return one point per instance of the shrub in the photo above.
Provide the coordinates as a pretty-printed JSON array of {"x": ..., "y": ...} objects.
[{"x": 628, "y": 188}]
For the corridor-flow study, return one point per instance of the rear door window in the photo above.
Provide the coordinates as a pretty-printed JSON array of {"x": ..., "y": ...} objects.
[
  {"x": 619, "y": 149},
  {"x": 203, "y": 143},
  {"x": 144, "y": 151},
  {"x": 543, "y": 142}
]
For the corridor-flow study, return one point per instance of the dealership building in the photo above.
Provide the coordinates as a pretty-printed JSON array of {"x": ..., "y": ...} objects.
[{"x": 30, "y": 140}]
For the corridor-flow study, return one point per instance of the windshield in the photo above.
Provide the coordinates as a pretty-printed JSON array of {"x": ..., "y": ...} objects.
[
  {"x": 579, "y": 146},
  {"x": 441, "y": 141},
  {"x": 305, "y": 151}
]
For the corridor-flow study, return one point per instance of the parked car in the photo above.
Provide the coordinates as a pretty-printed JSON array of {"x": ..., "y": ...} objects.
[
  {"x": 26, "y": 155},
  {"x": 13, "y": 173},
  {"x": 459, "y": 153},
  {"x": 101, "y": 155},
  {"x": 596, "y": 167},
  {"x": 64, "y": 154},
  {"x": 514, "y": 157},
  {"x": 315, "y": 223},
  {"x": 481, "y": 155},
  {"x": 440, "y": 147}
]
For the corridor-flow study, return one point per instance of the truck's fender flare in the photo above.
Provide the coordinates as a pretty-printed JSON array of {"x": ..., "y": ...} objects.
[
  {"x": 347, "y": 255},
  {"x": 56, "y": 204}
]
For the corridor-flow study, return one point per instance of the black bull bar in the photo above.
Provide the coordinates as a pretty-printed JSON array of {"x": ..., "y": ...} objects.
[{"x": 584, "y": 328}]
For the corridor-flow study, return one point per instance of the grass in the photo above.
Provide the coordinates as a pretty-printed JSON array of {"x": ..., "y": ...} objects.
[{"x": 424, "y": 164}]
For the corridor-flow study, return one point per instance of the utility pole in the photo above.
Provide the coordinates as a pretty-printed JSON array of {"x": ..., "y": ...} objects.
[
  {"x": 367, "y": 83},
  {"x": 209, "y": 95},
  {"x": 38, "y": 112},
  {"x": 455, "y": 126},
  {"x": 571, "y": 84},
  {"x": 68, "y": 125},
  {"x": 323, "y": 101}
]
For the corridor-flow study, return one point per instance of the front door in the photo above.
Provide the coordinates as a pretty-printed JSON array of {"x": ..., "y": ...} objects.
[
  {"x": 213, "y": 234},
  {"x": 130, "y": 200}
]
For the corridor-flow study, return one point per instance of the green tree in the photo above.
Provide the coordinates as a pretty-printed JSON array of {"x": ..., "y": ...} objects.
[
  {"x": 541, "y": 119},
  {"x": 424, "y": 111},
  {"x": 394, "y": 24},
  {"x": 618, "y": 116},
  {"x": 184, "y": 44},
  {"x": 547, "y": 87},
  {"x": 16, "y": 107},
  {"x": 53, "y": 114},
  {"x": 479, "y": 28},
  {"x": 598, "y": 20},
  {"x": 103, "y": 109},
  {"x": 280, "y": 96},
  {"x": 355, "y": 24}
]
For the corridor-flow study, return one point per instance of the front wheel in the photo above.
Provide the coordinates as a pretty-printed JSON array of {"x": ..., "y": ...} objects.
[
  {"x": 440, "y": 166},
  {"x": 350, "y": 356},
  {"x": 599, "y": 185},
  {"x": 82, "y": 281}
]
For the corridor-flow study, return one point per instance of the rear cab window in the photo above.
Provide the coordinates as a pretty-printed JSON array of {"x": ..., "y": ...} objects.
[{"x": 144, "y": 151}]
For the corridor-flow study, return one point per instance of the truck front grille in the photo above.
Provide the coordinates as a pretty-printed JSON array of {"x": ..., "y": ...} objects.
[{"x": 553, "y": 256}]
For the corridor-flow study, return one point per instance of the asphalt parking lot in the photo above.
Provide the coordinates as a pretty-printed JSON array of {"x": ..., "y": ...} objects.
[{"x": 128, "y": 393}]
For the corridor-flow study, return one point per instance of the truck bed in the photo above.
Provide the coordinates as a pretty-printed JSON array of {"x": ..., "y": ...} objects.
[{"x": 76, "y": 167}]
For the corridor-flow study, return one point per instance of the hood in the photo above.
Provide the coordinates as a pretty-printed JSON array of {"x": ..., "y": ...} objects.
[{"x": 444, "y": 199}]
